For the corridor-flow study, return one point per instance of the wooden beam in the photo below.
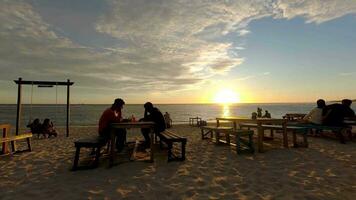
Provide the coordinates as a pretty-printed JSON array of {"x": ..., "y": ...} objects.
[
  {"x": 47, "y": 83},
  {"x": 18, "y": 113}
]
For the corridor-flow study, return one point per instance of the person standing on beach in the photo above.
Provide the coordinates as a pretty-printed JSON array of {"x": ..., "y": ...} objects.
[
  {"x": 168, "y": 120},
  {"x": 113, "y": 115},
  {"x": 152, "y": 114}
]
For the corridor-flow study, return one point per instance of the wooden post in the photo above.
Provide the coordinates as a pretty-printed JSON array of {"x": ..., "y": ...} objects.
[
  {"x": 68, "y": 108},
  {"x": 18, "y": 113}
]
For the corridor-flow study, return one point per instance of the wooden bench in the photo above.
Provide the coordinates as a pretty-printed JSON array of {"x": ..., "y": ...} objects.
[
  {"x": 242, "y": 145},
  {"x": 12, "y": 139},
  {"x": 170, "y": 138},
  {"x": 338, "y": 130},
  {"x": 94, "y": 143},
  {"x": 210, "y": 130},
  {"x": 294, "y": 129}
]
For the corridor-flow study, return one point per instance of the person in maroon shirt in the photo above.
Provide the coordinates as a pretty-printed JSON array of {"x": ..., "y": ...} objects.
[{"x": 113, "y": 115}]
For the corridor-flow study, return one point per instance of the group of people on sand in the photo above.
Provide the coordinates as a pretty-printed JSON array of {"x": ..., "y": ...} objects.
[
  {"x": 114, "y": 115},
  {"x": 46, "y": 129},
  {"x": 258, "y": 114}
]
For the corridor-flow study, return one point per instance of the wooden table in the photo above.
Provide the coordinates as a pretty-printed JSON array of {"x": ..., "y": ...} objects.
[
  {"x": 193, "y": 119},
  {"x": 260, "y": 131},
  {"x": 294, "y": 116},
  {"x": 125, "y": 125}
]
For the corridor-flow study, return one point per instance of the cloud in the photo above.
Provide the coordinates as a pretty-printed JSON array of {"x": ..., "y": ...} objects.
[{"x": 163, "y": 45}]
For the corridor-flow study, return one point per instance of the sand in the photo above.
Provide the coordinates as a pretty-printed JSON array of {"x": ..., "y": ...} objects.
[{"x": 325, "y": 170}]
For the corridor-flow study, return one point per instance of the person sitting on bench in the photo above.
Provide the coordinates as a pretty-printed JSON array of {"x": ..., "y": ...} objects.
[
  {"x": 315, "y": 116},
  {"x": 335, "y": 115},
  {"x": 113, "y": 115},
  {"x": 152, "y": 114}
]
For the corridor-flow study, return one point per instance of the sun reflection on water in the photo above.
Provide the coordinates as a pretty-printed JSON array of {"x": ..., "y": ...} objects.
[{"x": 226, "y": 110}]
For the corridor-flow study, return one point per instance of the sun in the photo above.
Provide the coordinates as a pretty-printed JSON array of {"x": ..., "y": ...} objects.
[{"x": 226, "y": 96}]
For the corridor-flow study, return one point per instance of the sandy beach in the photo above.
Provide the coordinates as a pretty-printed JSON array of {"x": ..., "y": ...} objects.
[{"x": 325, "y": 170}]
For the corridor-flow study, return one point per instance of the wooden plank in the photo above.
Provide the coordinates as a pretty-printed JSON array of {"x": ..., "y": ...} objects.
[{"x": 17, "y": 137}]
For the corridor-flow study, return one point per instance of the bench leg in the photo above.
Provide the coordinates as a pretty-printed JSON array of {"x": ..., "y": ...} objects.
[
  {"x": 170, "y": 146},
  {"x": 202, "y": 134},
  {"x": 97, "y": 156},
  {"x": 217, "y": 137},
  {"x": 295, "y": 144},
  {"x": 227, "y": 137},
  {"x": 340, "y": 135},
  {"x": 252, "y": 148},
  {"x": 76, "y": 159},
  {"x": 272, "y": 133},
  {"x": 13, "y": 146},
  {"x": 305, "y": 139},
  {"x": 29, "y": 144},
  {"x": 238, "y": 144},
  {"x": 183, "y": 150}
]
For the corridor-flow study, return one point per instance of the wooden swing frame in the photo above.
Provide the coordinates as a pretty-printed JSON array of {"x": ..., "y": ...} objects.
[{"x": 21, "y": 82}]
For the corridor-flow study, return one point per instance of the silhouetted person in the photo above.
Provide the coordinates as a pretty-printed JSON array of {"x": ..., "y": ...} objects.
[
  {"x": 48, "y": 128},
  {"x": 35, "y": 127},
  {"x": 259, "y": 112},
  {"x": 315, "y": 116},
  {"x": 267, "y": 114},
  {"x": 152, "y": 114},
  {"x": 113, "y": 115},
  {"x": 168, "y": 120},
  {"x": 254, "y": 115},
  {"x": 335, "y": 115}
]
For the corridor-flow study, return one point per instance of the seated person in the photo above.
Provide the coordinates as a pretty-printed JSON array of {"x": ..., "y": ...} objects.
[
  {"x": 336, "y": 113},
  {"x": 112, "y": 115},
  {"x": 267, "y": 114},
  {"x": 35, "y": 126},
  {"x": 168, "y": 120},
  {"x": 254, "y": 115},
  {"x": 152, "y": 114},
  {"x": 315, "y": 116},
  {"x": 48, "y": 129}
]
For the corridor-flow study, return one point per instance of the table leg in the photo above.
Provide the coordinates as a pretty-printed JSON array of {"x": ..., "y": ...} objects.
[
  {"x": 285, "y": 136},
  {"x": 112, "y": 148},
  {"x": 260, "y": 137},
  {"x": 151, "y": 145}
]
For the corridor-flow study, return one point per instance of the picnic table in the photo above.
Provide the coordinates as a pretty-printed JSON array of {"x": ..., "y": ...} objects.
[
  {"x": 129, "y": 125},
  {"x": 194, "y": 121},
  {"x": 294, "y": 116},
  {"x": 260, "y": 131}
]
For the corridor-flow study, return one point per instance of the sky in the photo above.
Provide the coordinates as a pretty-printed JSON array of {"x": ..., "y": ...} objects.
[{"x": 179, "y": 51}]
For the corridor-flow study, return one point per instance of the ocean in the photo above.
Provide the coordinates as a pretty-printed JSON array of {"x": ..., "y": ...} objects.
[{"x": 88, "y": 115}]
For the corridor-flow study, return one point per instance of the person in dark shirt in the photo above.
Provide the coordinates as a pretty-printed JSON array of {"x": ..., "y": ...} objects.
[
  {"x": 152, "y": 114},
  {"x": 335, "y": 114}
]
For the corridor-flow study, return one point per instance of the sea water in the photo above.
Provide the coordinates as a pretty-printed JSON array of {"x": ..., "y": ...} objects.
[{"x": 88, "y": 115}]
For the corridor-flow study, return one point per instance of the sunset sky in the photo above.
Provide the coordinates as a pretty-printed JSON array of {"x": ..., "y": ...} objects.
[{"x": 180, "y": 51}]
